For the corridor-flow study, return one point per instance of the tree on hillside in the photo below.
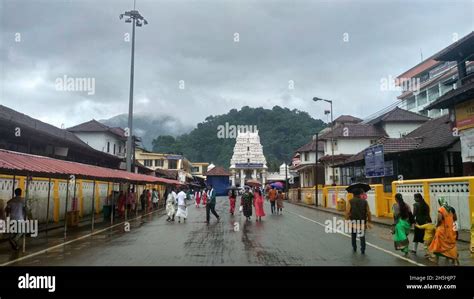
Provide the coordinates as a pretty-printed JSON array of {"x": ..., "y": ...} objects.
[{"x": 281, "y": 132}]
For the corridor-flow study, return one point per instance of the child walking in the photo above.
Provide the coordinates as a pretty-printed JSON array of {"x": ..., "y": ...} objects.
[{"x": 430, "y": 230}]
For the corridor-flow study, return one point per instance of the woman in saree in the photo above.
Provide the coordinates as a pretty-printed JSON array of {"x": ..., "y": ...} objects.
[
  {"x": 247, "y": 203},
  {"x": 232, "y": 199},
  {"x": 401, "y": 215},
  {"x": 204, "y": 198},
  {"x": 258, "y": 203},
  {"x": 444, "y": 241},
  {"x": 197, "y": 197}
]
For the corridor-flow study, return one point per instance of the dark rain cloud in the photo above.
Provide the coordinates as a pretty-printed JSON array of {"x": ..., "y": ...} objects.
[{"x": 281, "y": 43}]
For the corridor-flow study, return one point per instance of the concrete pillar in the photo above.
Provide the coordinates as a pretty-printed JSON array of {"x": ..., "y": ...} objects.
[
  {"x": 242, "y": 178},
  {"x": 254, "y": 174}
]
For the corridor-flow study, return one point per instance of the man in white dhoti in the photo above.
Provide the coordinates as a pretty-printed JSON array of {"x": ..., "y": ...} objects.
[
  {"x": 182, "y": 210},
  {"x": 170, "y": 209}
]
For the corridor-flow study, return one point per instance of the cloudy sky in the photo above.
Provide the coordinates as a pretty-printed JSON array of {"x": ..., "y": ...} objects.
[{"x": 197, "y": 58}]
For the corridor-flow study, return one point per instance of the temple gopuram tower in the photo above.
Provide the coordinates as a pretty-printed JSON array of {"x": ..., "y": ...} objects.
[{"x": 248, "y": 161}]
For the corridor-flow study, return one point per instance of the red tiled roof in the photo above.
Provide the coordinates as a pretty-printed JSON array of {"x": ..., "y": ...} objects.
[
  {"x": 217, "y": 171},
  {"x": 24, "y": 164}
]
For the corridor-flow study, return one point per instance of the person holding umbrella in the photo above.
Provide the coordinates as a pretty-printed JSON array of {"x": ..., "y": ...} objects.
[
  {"x": 358, "y": 213},
  {"x": 247, "y": 203}
]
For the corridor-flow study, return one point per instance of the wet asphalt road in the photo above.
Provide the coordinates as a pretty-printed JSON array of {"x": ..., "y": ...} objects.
[{"x": 295, "y": 238}]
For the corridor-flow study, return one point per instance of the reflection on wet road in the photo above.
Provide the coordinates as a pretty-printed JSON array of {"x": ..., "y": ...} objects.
[{"x": 294, "y": 238}]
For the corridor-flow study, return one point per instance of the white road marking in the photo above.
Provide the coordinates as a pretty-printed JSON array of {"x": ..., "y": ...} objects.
[
  {"x": 370, "y": 244},
  {"x": 71, "y": 241}
]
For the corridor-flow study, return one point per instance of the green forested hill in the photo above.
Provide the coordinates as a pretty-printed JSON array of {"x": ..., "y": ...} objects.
[{"x": 281, "y": 131}]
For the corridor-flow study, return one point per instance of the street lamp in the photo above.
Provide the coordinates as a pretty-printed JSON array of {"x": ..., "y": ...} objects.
[
  {"x": 332, "y": 136},
  {"x": 136, "y": 19}
]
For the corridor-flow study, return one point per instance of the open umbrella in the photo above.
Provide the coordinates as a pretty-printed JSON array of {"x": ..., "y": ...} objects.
[
  {"x": 278, "y": 185},
  {"x": 253, "y": 183},
  {"x": 362, "y": 186}
]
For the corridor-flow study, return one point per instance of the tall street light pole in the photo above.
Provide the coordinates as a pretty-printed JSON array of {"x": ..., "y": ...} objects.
[
  {"x": 332, "y": 137},
  {"x": 136, "y": 19}
]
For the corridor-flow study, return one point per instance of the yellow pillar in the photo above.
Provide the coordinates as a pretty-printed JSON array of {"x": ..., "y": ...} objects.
[
  {"x": 56, "y": 200},
  {"x": 426, "y": 193},
  {"x": 81, "y": 199},
  {"x": 471, "y": 210},
  {"x": 379, "y": 201},
  {"x": 325, "y": 196},
  {"x": 21, "y": 184},
  {"x": 97, "y": 197}
]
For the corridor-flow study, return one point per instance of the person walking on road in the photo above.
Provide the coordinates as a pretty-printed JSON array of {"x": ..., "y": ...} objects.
[
  {"x": 272, "y": 195},
  {"x": 421, "y": 214},
  {"x": 211, "y": 204},
  {"x": 197, "y": 197},
  {"x": 182, "y": 209},
  {"x": 279, "y": 202},
  {"x": 170, "y": 210},
  {"x": 444, "y": 241},
  {"x": 16, "y": 210},
  {"x": 204, "y": 197},
  {"x": 358, "y": 213},
  {"x": 247, "y": 202},
  {"x": 258, "y": 202},
  {"x": 143, "y": 198},
  {"x": 401, "y": 215},
  {"x": 232, "y": 199},
  {"x": 155, "y": 198}
]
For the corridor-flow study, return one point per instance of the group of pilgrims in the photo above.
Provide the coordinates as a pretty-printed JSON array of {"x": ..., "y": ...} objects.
[
  {"x": 251, "y": 198},
  {"x": 438, "y": 237}
]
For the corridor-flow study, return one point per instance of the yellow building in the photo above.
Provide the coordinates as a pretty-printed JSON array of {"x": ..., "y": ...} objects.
[
  {"x": 154, "y": 161},
  {"x": 199, "y": 168}
]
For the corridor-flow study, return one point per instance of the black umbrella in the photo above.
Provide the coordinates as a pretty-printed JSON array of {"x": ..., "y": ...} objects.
[{"x": 362, "y": 186}]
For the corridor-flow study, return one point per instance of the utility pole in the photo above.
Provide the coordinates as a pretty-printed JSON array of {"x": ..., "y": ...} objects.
[
  {"x": 136, "y": 19},
  {"x": 332, "y": 138}
]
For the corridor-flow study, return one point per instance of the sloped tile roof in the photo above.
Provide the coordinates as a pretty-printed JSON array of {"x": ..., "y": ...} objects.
[
  {"x": 347, "y": 119},
  {"x": 356, "y": 131},
  {"x": 25, "y": 121},
  {"x": 95, "y": 126},
  {"x": 399, "y": 115},
  {"x": 218, "y": 171},
  {"x": 310, "y": 146},
  {"x": 435, "y": 133}
]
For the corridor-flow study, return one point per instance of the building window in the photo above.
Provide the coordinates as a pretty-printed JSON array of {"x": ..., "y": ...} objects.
[
  {"x": 248, "y": 148},
  {"x": 248, "y": 160},
  {"x": 306, "y": 156},
  {"x": 172, "y": 164},
  {"x": 114, "y": 148},
  {"x": 433, "y": 93},
  {"x": 422, "y": 98},
  {"x": 120, "y": 149},
  {"x": 373, "y": 141},
  {"x": 108, "y": 147},
  {"x": 195, "y": 169},
  {"x": 411, "y": 103},
  {"x": 159, "y": 163},
  {"x": 335, "y": 145},
  {"x": 148, "y": 163}
]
